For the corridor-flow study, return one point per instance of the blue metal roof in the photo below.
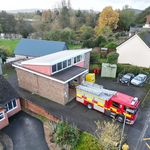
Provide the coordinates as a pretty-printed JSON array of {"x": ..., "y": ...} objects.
[{"x": 36, "y": 48}]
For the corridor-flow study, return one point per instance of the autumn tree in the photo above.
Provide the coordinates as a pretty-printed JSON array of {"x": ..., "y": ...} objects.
[
  {"x": 107, "y": 18},
  {"x": 109, "y": 135}
]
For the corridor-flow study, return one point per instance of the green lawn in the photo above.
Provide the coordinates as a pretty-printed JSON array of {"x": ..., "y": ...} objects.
[
  {"x": 9, "y": 45},
  {"x": 71, "y": 46}
]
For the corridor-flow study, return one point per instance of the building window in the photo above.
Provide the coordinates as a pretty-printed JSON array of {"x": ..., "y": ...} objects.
[
  {"x": 54, "y": 68},
  {"x": 1, "y": 116},
  {"x": 65, "y": 64},
  {"x": 59, "y": 66},
  {"x": 75, "y": 60},
  {"x": 78, "y": 58},
  {"x": 69, "y": 62},
  {"x": 115, "y": 104},
  {"x": 11, "y": 105}
]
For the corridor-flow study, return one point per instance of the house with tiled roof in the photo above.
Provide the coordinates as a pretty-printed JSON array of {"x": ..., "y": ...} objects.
[
  {"x": 9, "y": 102},
  {"x": 135, "y": 50},
  {"x": 37, "y": 48},
  {"x": 54, "y": 76}
]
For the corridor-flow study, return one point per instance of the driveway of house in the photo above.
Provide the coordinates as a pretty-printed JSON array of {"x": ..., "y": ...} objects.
[{"x": 26, "y": 132}]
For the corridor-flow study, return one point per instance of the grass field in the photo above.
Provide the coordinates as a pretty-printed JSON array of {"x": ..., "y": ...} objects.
[
  {"x": 71, "y": 46},
  {"x": 9, "y": 45}
]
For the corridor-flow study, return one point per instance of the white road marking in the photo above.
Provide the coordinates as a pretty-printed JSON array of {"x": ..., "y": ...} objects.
[{"x": 143, "y": 132}]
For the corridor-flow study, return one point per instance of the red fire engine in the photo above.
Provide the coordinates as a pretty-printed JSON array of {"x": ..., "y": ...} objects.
[{"x": 112, "y": 103}]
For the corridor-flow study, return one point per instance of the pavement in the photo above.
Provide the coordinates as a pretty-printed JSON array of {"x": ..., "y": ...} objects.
[
  {"x": 77, "y": 114},
  {"x": 26, "y": 132}
]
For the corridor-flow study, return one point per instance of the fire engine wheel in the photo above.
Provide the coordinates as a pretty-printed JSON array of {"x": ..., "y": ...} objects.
[
  {"x": 89, "y": 106},
  {"x": 120, "y": 118}
]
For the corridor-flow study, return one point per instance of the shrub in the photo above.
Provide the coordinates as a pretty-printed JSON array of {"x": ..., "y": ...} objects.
[
  {"x": 112, "y": 57},
  {"x": 100, "y": 41},
  {"x": 124, "y": 68},
  {"x": 90, "y": 43},
  {"x": 111, "y": 45},
  {"x": 3, "y": 54},
  {"x": 66, "y": 135},
  {"x": 94, "y": 58},
  {"x": 87, "y": 142}
]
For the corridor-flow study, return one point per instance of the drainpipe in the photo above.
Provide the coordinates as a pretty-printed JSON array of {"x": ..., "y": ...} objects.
[{"x": 1, "y": 66}]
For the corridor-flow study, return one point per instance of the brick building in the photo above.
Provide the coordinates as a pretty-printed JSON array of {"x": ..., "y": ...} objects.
[
  {"x": 54, "y": 76},
  {"x": 9, "y": 102}
]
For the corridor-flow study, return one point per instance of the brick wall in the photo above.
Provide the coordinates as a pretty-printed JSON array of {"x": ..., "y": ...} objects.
[
  {"x": 15, "y": 110},
  {"x": 37, "y": 110},
  {"x": 44, "y": 87},
  {"x": 4, "y": 122}
]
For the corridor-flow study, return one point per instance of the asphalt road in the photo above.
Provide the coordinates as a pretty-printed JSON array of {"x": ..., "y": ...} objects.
[
  {"x": 26, "y": 132},
  {"x": 83, "y": 118}
]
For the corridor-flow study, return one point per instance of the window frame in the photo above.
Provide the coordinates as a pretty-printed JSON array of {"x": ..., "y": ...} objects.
[
  {"x": 58, "y": 66},
  {"x": 115, "y": 105},
  {"x": 68, "y": 62},
  {"x": 3, "y": 115},
  {"x": 65, "y": 61},
  {"x": 52, "y": 68},
  {"x": 13, "y": 107}
]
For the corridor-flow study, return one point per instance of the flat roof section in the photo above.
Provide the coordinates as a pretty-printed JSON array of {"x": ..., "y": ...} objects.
[
  {"x": 70, "y": 73},
  {"x": 54, "y": 58}
]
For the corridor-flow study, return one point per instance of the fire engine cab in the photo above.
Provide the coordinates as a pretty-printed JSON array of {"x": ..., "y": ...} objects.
[{"x": 112, "y": 103}]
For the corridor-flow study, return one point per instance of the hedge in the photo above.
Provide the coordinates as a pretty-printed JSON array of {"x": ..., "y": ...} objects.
[{"x": 124, "y": 68}]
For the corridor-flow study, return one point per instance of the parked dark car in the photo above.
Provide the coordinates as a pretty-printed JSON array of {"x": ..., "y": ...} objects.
[{"x": 126, "y": 78}]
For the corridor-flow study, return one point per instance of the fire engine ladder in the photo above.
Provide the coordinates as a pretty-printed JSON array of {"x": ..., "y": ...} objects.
[{"x": 97, "y": 90}]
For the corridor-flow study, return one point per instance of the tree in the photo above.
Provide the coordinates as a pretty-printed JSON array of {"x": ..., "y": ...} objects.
[
  {"x": 86, "y": 32},
  {"x": 126, "y": 18},
  {"x": 64, "y": 14},
  {"x": 141, "y": 18},
  {"x": 109, "y": 135},
  {"x": 107, "y": 18},
  {"x": 1, "y": 30},
  {"x": 100, "y": 41},
  {"x": 24, "y": 28},
  {"x": 7, "y": 22},
  {"x": 67, "y": 35},
  {"x": 112, "y": 57},
  {"x": 3, "y": 54}
]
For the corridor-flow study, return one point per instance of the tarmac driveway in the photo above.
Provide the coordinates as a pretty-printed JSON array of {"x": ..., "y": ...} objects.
[{"x": 26, "y": 132}]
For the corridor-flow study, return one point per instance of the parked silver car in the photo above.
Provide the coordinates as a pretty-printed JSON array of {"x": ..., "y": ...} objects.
[{"x": 139, "y": 80}]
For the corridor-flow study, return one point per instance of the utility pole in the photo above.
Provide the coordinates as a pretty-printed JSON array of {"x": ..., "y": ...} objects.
[{"x": 124, "y": 123}]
